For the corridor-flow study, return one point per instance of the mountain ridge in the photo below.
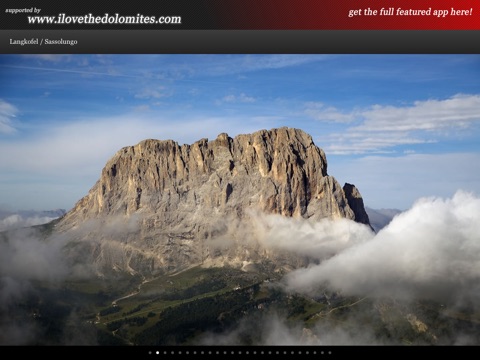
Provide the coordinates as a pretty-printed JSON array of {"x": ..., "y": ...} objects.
[
  {"x": 177, "y": 205},
  {"x": 379, "y": 218}
]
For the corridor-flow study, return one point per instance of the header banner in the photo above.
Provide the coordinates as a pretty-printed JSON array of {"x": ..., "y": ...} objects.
[{"x": 242, "y": 15}]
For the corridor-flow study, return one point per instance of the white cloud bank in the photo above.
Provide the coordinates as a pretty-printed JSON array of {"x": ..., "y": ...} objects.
[
  {"x": 16, "y": 221},
  {"x": 431, "y": 251}
]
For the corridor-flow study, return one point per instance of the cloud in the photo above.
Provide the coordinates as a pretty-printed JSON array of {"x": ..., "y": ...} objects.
[
  {"x": 431, "y": 251},
  {"x": 272, "y": 328},
  {"x": 55, "y": 58},
  {"x": 380, "y": 128},
  {"x": 16, "y": 221},
  {"x": 277, "y": 61},
  {"x": 7, "y": 112},
  {"x": 85, "y": 72},
  {"x": 367, "y": 143},
  {"x": 152, "y": 93},
  {"x": 242, "y": 98},
  {"x": 458, "y": 111},
  {"x": 27, "y": 260},
  {"x": 319, "y": 240},
  {"x": 232, "y": 64},
  {"x": 26, "y": 256},
  {"x": 322, "y": 112}
]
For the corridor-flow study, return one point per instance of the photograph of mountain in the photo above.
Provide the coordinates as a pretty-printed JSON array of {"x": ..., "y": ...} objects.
[{"x": 244, "y": 200}]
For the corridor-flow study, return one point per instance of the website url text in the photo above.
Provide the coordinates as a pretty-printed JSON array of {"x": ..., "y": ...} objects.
[{"x": 105, "y": 19}]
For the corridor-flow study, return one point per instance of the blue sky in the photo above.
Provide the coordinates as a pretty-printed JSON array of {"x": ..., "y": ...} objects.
[{"x": 399, "y": 127}]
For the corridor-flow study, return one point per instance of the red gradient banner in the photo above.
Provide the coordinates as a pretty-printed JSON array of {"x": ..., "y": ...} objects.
[{"x": 347, "y": 14}]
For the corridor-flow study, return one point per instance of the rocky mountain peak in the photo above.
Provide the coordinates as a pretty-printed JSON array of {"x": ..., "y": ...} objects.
[{"x": 186, "y": 194}]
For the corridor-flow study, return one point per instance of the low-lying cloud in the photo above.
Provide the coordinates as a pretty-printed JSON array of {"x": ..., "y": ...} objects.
[
  {"x": 24, "y": 255},
  {"x": 33, "y": 269},
  {"x": 16, "y": 221},
  {"x": 431, "y": 251},
  {"x": 273, "y": 329},
  {"x": 319, "y": 240}
]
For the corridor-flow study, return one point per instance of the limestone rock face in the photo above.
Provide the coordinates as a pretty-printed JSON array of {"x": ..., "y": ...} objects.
[
  {"x": 174, "y": 205},
  {"x": 355, "y": 202}
]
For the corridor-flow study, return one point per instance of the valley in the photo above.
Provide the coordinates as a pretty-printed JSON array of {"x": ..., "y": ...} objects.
[{"x": 226, "y": 306}]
